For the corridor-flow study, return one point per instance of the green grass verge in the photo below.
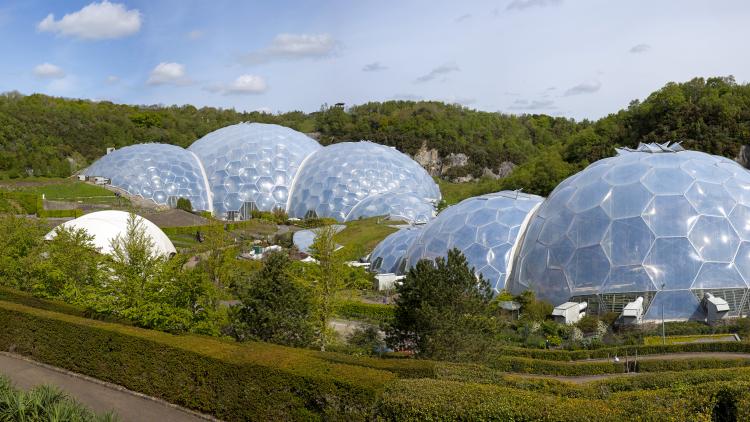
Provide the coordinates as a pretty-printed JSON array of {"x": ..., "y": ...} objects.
[{"x": 361, "y": 236}]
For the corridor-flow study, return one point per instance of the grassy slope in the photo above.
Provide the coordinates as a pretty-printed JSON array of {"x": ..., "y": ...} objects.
[{"x": 360, "y": 237}]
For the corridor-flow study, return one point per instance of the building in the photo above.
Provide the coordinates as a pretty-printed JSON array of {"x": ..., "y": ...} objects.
[{"x": 248, "y": 167}]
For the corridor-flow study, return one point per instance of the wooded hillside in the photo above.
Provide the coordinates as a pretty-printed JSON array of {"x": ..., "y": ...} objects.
[{"x": 47, "y": 136}]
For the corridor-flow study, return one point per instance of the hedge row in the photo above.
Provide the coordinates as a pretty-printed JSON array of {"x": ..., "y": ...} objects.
[
  {"x": 433, "y": 400},
  {"x": 232, "y": 381},
  {"x": 171, "y": 231},
  {"x": 621, "y": 351},
  {"x": 75, "y": 213},
  {"x": 361, "y": 311}
]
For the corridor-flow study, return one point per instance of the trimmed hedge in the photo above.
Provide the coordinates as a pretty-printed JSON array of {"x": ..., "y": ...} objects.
[
  {"x": 572, "y": 355},
  {"x": 361, "y": 311},
  {"x": 75, "y": 213},
  {"x": 434, "y": 400},
  {"x": 249, "y": 381}
]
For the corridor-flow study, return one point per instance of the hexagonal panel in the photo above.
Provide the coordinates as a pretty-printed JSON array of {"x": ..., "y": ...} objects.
[
  {"x": 631, "y": 240},
  {"x": 714, "y": 239},
  {"x": 710, "y": 199},
  {"x": 718, "y": 275},
  {"x": 670, "y": 215},
  {"x": 588, "y": 267},
  {"x": 666, "y": 181},
  {"x": 672, "y": 263},
  {"x": 627, "y": 201}
]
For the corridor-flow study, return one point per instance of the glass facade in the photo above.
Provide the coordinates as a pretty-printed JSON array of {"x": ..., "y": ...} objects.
[
  {"x": 338, "y": 177},
  {"x": 158, "y": 172},
  {"x": 658, "y": 221},
  {"x": 251, "y": 166},
  {"x": 388, "y": 256},
  {"x": 402, "y": 206},
  {"x": 485, "y": 228}
]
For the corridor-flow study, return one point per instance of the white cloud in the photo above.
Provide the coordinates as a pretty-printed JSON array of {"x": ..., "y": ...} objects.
[
  {"x": 168, "y": 73},
  {"x": 243, "y": 85},
  {"x": 50, "y": 71},
  {"x": 438, "y": 71},
  {"x": 247, "y": 84},
  {"x": 463, "y": 18},
  {"x": 373, "y": 67},
  {"x": 293, "y": 47},
  {"x": 533, "y": 105},
  {"x": 112, "y": 79},
  {"x": 640, "y": 48},
  {"x": 525, "y": 4},
  {"x": 589, "y": 87},
  {"x": 195, "y": 34},
  {"x": 96, "y": 21}
]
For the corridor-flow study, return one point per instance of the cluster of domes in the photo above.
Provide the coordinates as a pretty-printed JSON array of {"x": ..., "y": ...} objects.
[
  {"x": 656, "y": 221},
  {"x": 252, "y": 166}
]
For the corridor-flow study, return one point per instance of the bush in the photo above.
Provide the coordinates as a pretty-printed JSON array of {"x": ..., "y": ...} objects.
[
  {"x": 361, "y": 311},
  {"x": 251, "y": 381},
  {"x": 184, "y": 204}
]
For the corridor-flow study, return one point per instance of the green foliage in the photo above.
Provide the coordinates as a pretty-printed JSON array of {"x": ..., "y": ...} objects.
[
  {"x": 361, "y": 311},
  {"x": 20, "y": 239},
  {"x": 442, "y": 310},
  {"x": 360, "y": 237},
  {"x": 275, "y": 307},
  {"x": 184, "y": 204},
  {"x": 327, "y": 281},
  {"x": 232, "y": 381},
  {"x": 19, "y": 203},
  {"x": 43, "y": 403},
  {"x": 366, "y": 339}
]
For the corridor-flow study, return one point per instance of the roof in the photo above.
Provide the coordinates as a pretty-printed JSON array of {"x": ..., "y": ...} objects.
[{"x": 105, "y": 226}]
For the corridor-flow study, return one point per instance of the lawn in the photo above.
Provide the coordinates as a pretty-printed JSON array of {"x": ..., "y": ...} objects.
[
  {"x": 361, "y": 236},
  {"x": 454, "y": 193},
  {"x": 702, "y": 338},
  {"x": 68, "y": 190}
]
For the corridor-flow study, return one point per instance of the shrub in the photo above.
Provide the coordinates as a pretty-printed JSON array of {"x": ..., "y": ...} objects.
[
  {"x": 361, "y": 311},
  {"x": 184, "y": 204},
  {"x": 250, "y": 381}
]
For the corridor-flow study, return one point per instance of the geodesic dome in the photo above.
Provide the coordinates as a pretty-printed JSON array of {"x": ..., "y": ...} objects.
[
  {"x": 484, "y": 228},
  {"x": 252, "y": 165},
  {"x": 402, "y": 206},
  {"x": 389, "y": 256},
  {"x": 105, "y": 226},
  {"x": 336, "y": 178},
  {"x": 159, "y": 172},
  {"x": 659, "y": 222}
]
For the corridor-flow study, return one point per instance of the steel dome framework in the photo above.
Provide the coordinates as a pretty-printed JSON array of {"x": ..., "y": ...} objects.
[
  {"x": 485, "y": 229},
  {"x": 157, "y": 172},
  {"x": 659, "y": 222}
]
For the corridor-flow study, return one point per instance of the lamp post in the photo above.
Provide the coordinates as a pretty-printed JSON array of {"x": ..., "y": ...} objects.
[{"x": 663, "y": 336}]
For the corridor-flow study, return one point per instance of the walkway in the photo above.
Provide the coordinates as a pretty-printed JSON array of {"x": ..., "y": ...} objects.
[{"x": 99, "y": 396}]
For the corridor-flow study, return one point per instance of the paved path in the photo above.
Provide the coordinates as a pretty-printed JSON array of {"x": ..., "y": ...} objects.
[{"x": 96, "y": 395}]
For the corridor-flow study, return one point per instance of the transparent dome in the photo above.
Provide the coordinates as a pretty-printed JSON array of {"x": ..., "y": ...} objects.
[
  {"x": 252, "y": 165},
  {"x": 389, "y": 256},
  {"x": 658, "y": 222},
  {"x": 159, "y": 172},
  {"x": 484, "y": 228},
  {"x": 401, "y": 206},
  {"x": 339, "y": 176}
]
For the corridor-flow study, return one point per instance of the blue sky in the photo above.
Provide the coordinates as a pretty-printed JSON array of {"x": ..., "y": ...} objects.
[{"x": 582, "y": 59}]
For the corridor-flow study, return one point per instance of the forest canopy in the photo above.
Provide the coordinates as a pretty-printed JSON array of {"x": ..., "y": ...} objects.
[{"x": 49, "y": 136}]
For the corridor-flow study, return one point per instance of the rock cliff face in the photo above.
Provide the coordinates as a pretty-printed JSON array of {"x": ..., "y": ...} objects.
[
  {"x": 438, "y": 166},
  {"x": 743, "y": 156}
]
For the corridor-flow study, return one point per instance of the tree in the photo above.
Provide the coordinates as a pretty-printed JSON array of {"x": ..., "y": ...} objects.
[
  {"x": 328, "y": 281},
  {"x": 276, "y": 307},
  {"x": 71, "y": 268},
  {"x": 443, "y": 310},
  {"x": 20, "y": 238},
  {"x": 184, "y": 204}
]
